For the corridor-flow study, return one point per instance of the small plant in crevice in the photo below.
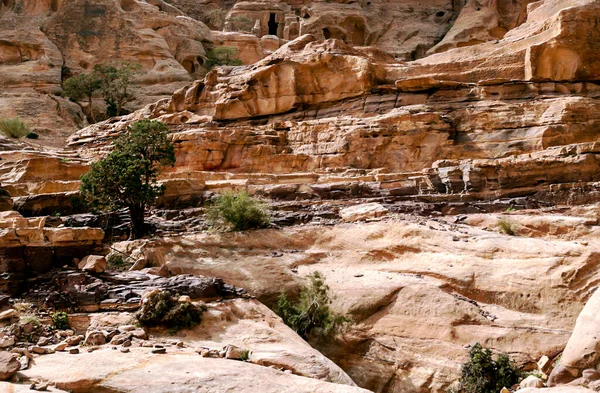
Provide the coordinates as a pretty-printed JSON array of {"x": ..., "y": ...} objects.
[
  {"x": 30, "y": 319},
  {"x": 239, "y": 212},
  {"x": 245, "y": 356},
  {"x": 507, "y": 226},
  {"x": 159, "y": 308},
  {"x": 116, "y": 262},
  {"x": 311, "y": 312},
  {"x": 484, "y": 374},
  {"x": 60, "y": 320},
  {"x": 221, "y": 56}
]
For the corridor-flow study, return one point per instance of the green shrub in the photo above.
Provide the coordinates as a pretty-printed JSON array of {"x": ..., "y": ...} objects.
[
  {"x": 30, "y": 319},
  {"x": 507, "y": 226},
  {"x": 482, "y": 374},
  {"x": 14, "y": 128},
  {"x": 116, "y": 262},
  {"x": 32, "y": 135},
  {"x": 221, "y": 56},
  {"x": 60, "y": 320},
  {"x": 240, "y": 212},
  {"x": 162, "y": 309},
  {"x": 311, "y": 311},
  {"x": 245, "y": 356}
]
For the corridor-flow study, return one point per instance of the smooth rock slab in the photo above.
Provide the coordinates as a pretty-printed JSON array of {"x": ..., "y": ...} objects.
[
  {"x": 141, "y": 372},
  {"x": 6, "y": 387}
]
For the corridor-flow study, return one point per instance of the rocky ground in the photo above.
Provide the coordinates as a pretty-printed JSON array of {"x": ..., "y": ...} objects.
[{"x": 437, "y": 162}]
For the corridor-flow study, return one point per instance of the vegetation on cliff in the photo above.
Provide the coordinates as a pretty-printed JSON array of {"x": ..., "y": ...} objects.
[
  {"x": 14, "y": 128},
  {"x": 221, "y": 56},
  {"x": 484, "y": 374},
  {"x": 113, "y": 80},
  {"x": 159, "y": 308},
  {"x": 127, "y": 177},
  {"x": 311, "y": 312},
  {"x": 239, "y": 212}
]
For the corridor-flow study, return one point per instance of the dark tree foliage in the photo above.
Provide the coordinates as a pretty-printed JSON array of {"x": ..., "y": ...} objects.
[
  {"x": 115, "y": 82},
  {"x": 127, "y": 176},
  {"x": 83, "y": 86}
]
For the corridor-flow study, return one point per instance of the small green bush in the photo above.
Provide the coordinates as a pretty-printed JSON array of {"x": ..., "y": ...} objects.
[
  {"x": 32, "y": 135},
  {"x": 221, "y": 56},
  {"x": 311, "y": 311},
  {"x": 507, "y": 226},
  {"x": 60, "y": 320},
  {"x": 14, "y": 128},
  {"x": 482, "y": 374},
  {"x": 240, "y": 212},
  {"x": 30, "y": 319},
  {"x": 115, "y": 262},
  {"x": 245, "y": 356},
  {"x": 162, "y": 309}
]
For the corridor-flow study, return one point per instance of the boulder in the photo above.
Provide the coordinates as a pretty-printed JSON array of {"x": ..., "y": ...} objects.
[
  {"x": 8, "y": 314},
  {"x": 363, "y": 212},
  {"x": 545, "y": 365},
  {"x": 531, "y": 382},
  {"x": 7, "y": 341},
  {"x": 9, "y": 365},
  {"x": 583, "y": 348},
  {"x": 95, "y": 337},
  {"x": 93, "y": 264},
  {"x": 233, "y": 352}
]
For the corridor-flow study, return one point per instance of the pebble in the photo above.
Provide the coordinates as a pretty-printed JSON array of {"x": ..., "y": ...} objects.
[
  {"x": 60, "y": 346},
  {"x": 159, "y": 350}
]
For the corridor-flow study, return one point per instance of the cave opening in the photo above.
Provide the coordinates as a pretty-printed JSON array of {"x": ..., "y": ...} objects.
[{"x": 273, "y": 25}]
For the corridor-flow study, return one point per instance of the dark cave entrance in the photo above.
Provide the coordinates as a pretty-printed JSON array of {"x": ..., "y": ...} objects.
[{"x": 273, "y": 25}]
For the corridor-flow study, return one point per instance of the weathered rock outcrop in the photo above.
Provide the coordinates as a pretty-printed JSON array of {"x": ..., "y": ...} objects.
[
  {"x": 582, "y": 350},
  {"x": 43, "y": 42},
  {"x": 558, "y": 42},
  {"x": 28, "y": 247},
  {"x": 418, "y": 290},
  {"x": 506, "y": 107}
]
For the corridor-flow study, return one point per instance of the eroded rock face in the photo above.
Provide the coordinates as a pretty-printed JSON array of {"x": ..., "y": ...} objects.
[
  {"x": 581, "y": 352},
  {"x": 557, "y": 42},
  {"x": 506, "y": 107},
  {"x": 301, "y": 73},
  {"x": 419, "y": 290},
  {"x": 28, "y": 247},
  {"x": 44, "y": 42}
]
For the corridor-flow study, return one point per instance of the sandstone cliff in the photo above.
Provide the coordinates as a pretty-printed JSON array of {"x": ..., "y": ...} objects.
[{"x": 393, "y": 141}]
